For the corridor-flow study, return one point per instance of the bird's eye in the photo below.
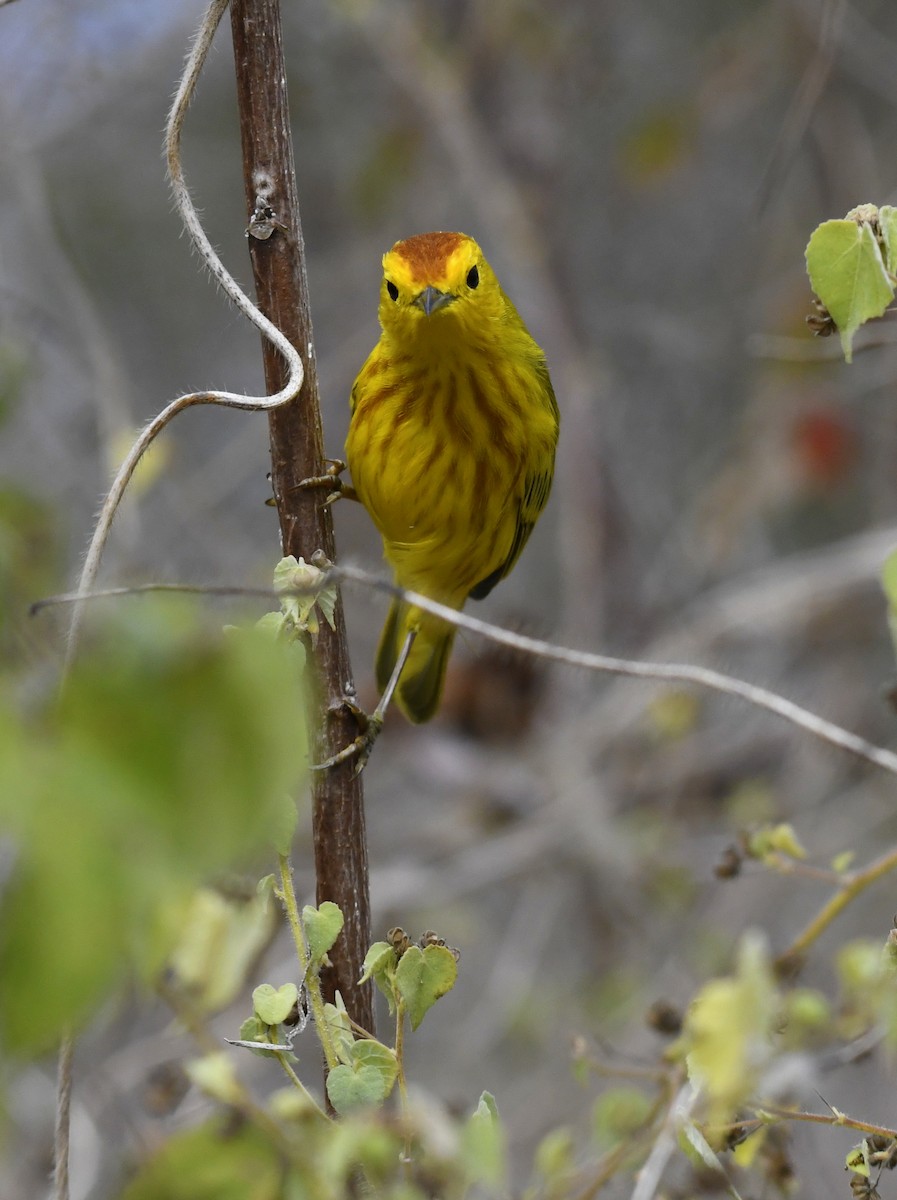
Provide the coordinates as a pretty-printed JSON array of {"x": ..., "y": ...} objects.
[
  {"x": 473, "y": 277},
  {"x": 392, "y": 289}
]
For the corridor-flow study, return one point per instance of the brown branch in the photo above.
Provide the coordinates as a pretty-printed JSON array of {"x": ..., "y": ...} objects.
[{"x": 297, "y": 452}]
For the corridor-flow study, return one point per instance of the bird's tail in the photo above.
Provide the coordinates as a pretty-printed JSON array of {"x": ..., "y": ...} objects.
[{"x": 420, "y": 686}]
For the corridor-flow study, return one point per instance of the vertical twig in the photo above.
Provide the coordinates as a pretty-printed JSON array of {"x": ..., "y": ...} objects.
[
  {"x": 297, "y": 452},
  {"x": 62, "y": 1131}
]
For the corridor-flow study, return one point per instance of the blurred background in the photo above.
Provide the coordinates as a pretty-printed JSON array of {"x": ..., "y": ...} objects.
[{"x": 644, "y": 178}]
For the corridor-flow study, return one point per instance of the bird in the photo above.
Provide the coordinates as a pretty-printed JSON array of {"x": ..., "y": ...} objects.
[{"x": 451, "y": 445}]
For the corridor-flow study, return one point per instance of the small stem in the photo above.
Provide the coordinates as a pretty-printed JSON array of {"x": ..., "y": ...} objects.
[
  {"x": 658, "y": 1075},
  {"x": 850, "y": 888},
  {"x": 63, "y": 1114},
  {"x": 789, "y": 1114},
  {"x": 297, "y": 1083},
  {"x": 312, "y": 982},
  {"x": 801, "y": 870},
  {"x": 403, "y": 1083}
]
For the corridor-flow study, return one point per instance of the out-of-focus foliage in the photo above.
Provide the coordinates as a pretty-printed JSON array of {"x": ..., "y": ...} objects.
[
  {"x": 728, "y": 1032},
  {"x": 169, "y": 757},
  {"x": 306, "y": 1156}
]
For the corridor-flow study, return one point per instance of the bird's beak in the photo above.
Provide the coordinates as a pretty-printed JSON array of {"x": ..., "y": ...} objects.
[{"x": 430, "y": 299}]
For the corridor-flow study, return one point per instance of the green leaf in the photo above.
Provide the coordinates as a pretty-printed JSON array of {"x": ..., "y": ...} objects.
[
  {"x": 807, "y": 1014},
  {"x": 217, "y": 1161},
  {"x": 273, "y": 1005},
  {"x": 554, "y": 1154},
  {"x": 365, "y": 1077},
  {"x": 219, "y": 939},
  {"x": 728, "y": 1029},
  {"x": 369, "y": 1053},
  {"x": 422, "y": 976},
  {"x": 272, "y": 624},
  {"x": 255, "y": 1030},
  {"x": 483, "y": 1147},
  {"x": 290, "y": 1105},
  {"x": 350, "y": 1088},
  {"x": 322, "y": 927},
  {"x": 776, "y": 839},
  {"x": 889, "y": 579},
  {"x": 304, "y": 586},
  {"x": 165, "y": 762},
  {"x": 887, "y": 220},
  {"x": 340, "y": 1029},
  {"x": 327, "y": 598},
  {"x": 283, "y": 826},
  {"x": 889, "y": 583},
  {"x": 842, "y": 862},
  {"x": 848, "y": 275},
  {"x": 215, "y": 1075},
  {"x": 618, "y": 1113},
  {"x": 380, "y": 965}
]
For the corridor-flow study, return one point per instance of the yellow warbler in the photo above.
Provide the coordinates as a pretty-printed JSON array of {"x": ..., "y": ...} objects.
[{"x": 451, "y": 444}]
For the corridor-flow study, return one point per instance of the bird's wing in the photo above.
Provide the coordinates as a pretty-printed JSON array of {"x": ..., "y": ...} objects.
[
  {"x": 535, "y": 495},
  {"x": 354, "y": 395},
  {"x": 536, "y": 486}
]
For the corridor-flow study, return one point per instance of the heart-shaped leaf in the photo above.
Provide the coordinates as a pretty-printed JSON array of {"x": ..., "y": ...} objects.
[
  {"x": 273, "y": 1005},
  {"x": 380, "y": 965},
  {"x": 422, "y": 976},
  {"x": 848, "y": 275},
  {"x": 348, "y": 1089},
  {"x": 322, "y": 928},
  {"x": 368, "y": 1053}
]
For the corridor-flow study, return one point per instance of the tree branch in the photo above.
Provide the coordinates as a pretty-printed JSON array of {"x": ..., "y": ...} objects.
[
  {"x": 297, "y": 452},
  {"x": 704, "y": 677}
]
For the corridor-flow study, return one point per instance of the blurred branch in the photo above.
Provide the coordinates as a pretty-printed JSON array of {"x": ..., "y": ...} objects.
[
  {"x": 804, "y": 101},
  {"x": 851, "y": 886},
  {"x": 867, "y": 53},
  {"x": 649, "y": 1176}
]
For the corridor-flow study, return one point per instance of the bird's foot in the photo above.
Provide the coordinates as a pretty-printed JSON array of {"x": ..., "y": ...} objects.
[
  {"x": 338, "y": 489},
  {"x": 370, "y": 726}
]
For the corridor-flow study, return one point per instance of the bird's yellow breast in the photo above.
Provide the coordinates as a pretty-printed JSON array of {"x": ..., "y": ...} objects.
[{"x": 440, "y": 452}]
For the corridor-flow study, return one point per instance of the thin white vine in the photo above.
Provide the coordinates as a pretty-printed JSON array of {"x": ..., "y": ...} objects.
[
  {"x": 189, "y": 216},
  {"x": 687, "y": 673}
]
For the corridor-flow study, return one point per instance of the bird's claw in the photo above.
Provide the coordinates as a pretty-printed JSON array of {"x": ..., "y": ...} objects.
[
  {"x": 330, "y": 479},
  {"x": 360, "y": 747}
]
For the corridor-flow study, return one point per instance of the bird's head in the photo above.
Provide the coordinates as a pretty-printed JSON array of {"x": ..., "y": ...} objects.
[{"x": 435, "y": 285}]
